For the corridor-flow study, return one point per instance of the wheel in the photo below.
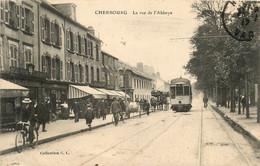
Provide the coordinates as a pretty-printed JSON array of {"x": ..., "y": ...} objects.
[
  {"x": 34, "y": 142},
  {"x": 20, "y": 141}
]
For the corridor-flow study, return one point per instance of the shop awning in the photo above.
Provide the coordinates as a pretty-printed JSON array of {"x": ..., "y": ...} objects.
[
  {"x": 123, "y": 94},
  {"x": 9, "y": 89},
  {"x": 76, "y": 91},
  {"x": 108, "y": 92}
]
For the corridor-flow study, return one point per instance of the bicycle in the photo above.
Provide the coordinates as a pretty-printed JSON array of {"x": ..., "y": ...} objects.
[
  {"x": 115, "y": 117},
  {"x": 23, "y": 136}
]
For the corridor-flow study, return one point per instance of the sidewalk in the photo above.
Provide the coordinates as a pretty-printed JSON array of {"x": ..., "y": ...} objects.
[
  {"x": 55, "y": 130},
  {"x": 248, "y": 125}
]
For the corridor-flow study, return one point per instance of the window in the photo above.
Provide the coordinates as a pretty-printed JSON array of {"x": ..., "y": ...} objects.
[
  {"x": 91, "y": 50},
  {"x": 1, "y": 10},
  {"x": 186, "y": 90},
  {"x": 81, "y": 73},
  {"x": 13, "y": 54},
  {"x": 46, "y": 29},
  {"x": 76, "y": 73},
  {"x": 61, "y": 70},
  {"x": 29, "y": 20},
  {"x": 72, "y": 73},
  {"x": 28, "y": 55},
  {"x": 97, "y": 52},
  {"x": 97, "y": 74},
  {"x": 82, "y": 45},
  {"x": 11, "y": 14},
  {"x": 86, "y": 46},
  {"x": 48, "y": 67},
  {"x": 53, "y": 68},
  {"x": 1, "y": 53},
  {"x": 87, "y": 75},
  {"x": 70, "y": 37},
  {"x": 179, "y": 90},
  {"x": 92, "y": 75},
  {"x": 56, "y": 34}
]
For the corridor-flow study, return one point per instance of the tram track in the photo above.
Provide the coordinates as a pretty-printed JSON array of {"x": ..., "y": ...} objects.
[
  {"x": 200, "y": 138},
  {"x": 228, "y": 134},
  {"x": 133, "y": 135}
]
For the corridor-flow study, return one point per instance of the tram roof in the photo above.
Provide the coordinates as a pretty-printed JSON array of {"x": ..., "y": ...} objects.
[{"x": 180, "y": 81}]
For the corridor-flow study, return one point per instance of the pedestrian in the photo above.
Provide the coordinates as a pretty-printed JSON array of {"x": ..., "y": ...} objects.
[
  {"x": 243, "y": 101},
  {"x": 122, "y": 105},
  {"x": 205, "y": 101},
  {"x": 106, "y": 108},
  {"x": 102, "y": 108},
  {"x": 49, "y": 108},
  {"x": 76, "y": 110},
  {"x": 115, "y": 109},
  {"x": 42, "y": 114},
  {"x": 147, "y": 107},
  {"x": 89, "y": 114}
]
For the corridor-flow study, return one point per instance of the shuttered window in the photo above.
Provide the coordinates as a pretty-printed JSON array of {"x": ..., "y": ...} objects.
[
  {"x": 45, "y": 29},
  {"x": 17, "y": 16},
  {"x": 53, "y": 67},
  {"x": 1, "y": 11},
  {"x": 87, "y": 73},
  {"x": 61, "y": 70}
]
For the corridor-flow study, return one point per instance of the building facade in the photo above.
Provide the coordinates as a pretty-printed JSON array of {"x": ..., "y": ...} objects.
[
  {"x": 110, "y": 71},
  {"x": 135, "y": 83}
]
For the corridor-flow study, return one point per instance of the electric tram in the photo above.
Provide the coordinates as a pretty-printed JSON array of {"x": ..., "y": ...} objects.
[{"x": 180, "y": 94}]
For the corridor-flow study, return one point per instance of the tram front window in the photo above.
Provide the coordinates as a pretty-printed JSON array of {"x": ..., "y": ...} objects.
[
  {"x": 186, "y": 90},
  {"x": 179, "y": 90}
]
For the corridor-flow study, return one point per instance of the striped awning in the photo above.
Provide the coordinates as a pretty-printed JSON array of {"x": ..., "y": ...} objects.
[
  {"x": 9, "y": 89},
  {"x": 76, "y": 91}
]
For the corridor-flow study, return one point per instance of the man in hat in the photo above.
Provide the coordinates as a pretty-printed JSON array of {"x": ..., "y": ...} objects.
[
  {"x": 115, "y": 108},
  {"x": 42, "y": 114},
  {"x": 27, "y": 115}
]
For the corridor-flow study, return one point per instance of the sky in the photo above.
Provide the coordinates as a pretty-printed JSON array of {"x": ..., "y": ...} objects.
[{"x": 147, "y": 38}]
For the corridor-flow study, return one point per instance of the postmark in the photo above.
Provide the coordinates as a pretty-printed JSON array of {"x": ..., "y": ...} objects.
[{"x": 241, "y": 19}]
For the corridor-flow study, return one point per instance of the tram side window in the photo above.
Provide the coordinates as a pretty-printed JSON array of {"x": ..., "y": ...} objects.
[
  {"x": 179, "y": 90},
  {"x": 173, "y": 92},
  {"x": 186, "y": 90}
]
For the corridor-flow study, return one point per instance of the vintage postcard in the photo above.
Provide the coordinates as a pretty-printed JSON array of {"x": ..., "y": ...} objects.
[{"x": 129, "y": 82}]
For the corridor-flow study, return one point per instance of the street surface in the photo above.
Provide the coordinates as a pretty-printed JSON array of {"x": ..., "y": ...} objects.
[{"x": 198, "y": 137}]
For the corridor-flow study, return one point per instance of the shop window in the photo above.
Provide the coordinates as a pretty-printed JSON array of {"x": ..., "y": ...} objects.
[
  {"x": 56, "y": 34},
  {"x": 28, "y": 55},
  {"x": 13, "y": 54},
  {"x": 45, "y": 29}
]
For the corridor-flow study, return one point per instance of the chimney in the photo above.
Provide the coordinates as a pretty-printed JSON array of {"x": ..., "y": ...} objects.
[
  {"x": 140, "y": 66},
  {"x": 69, "y": 9},
  {"x": 91, "y": 30}
]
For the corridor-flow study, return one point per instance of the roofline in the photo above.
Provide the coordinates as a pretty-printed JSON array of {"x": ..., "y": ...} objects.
[
  {"x": 102, "y": 51},
  {"x": 52, "y": 8}
]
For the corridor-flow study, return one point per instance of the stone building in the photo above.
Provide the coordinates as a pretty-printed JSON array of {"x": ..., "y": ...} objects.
[
  {"x": 19, "y": 45},
  {"x": 110, "y": 71},
  {"x": 136, "y": 84}
]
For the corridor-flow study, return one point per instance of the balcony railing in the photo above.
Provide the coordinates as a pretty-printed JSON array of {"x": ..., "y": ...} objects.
[{"x": 25, "y": 72}]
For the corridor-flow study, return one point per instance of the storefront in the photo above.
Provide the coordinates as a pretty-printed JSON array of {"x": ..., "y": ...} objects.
[{"x": 11, "y": 95}]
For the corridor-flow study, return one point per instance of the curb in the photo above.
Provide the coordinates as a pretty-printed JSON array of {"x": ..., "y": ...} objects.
[
  {"x": 235, "y": 125},
  {"x": 53, "y": 138}
]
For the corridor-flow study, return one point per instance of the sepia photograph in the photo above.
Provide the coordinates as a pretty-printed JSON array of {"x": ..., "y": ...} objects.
[{"x": 129, "y": 82}]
